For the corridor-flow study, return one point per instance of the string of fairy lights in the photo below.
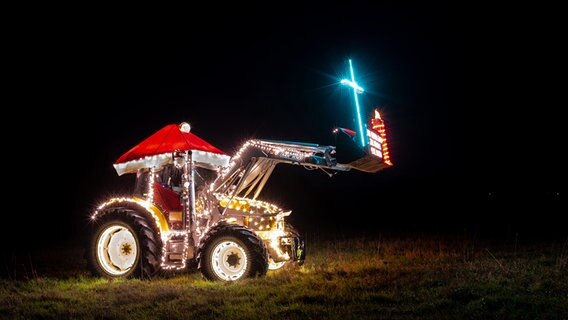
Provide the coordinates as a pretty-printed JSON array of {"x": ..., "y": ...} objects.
[
  {"x": 266, "y": 219},
  {"x": 246, "y": 204},
  {"x": 271, "y": 148},
  {"x": 164, "y": 263},
  {"x": 250, "y": 206},
  {"x": 151, "y": 179},
  {"x": 282, "y": 151},
  {"x": 269, "y": 228},
  {"x": 378, "y": 124},
  {"x": 142, "y": 203}
]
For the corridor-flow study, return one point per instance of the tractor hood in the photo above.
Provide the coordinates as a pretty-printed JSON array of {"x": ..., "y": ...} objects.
[{"x": 157, "y": 150}]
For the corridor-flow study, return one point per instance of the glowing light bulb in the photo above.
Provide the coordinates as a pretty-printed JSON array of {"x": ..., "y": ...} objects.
[{"x": 184, "y": 127}]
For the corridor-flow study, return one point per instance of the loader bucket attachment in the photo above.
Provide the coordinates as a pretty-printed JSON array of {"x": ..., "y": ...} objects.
[{"x": 374, "y": 156}]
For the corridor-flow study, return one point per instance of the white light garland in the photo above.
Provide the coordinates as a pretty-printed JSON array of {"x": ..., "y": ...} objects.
[
  {"x": 282, "y": 151},
  {"x": 164, "y": 263},
  {"x": 272, "y": 148},
  {"x": 162, "y": 159},
  {"x": 234, "y": 159},
  {"x": 150, "y": 194},
  {"x": 143, "y": 203},
  {"x": 271, "y": 229}
]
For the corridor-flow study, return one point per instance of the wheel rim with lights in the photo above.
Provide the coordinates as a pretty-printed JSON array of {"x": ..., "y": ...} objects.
[
  {"x": 117, "y": 250},
  {"x": 275, "y": 265},
  {"x": 229, "y": 260}
]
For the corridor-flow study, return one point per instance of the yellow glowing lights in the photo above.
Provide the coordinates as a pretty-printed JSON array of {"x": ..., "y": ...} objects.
[
  {"x": 274, "y": 243},
  {"x": 378, "y": 138},
  {"x": 247, "y": 205},
  {"x": 161, "y": 221}
]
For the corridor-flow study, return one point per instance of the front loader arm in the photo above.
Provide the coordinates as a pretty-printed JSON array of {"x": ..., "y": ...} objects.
[
  {"x": 253, "y": 164},
  {"x": 250, "y": 169}
]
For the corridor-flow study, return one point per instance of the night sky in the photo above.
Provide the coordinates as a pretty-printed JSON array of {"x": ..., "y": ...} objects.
[{"x": 465, "y": 161}]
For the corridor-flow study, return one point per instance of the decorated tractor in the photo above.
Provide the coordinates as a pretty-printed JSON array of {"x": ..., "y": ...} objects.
[{"x": 193, "y": 205}]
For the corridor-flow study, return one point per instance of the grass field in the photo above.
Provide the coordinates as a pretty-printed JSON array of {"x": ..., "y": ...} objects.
[{"x": 345, "y": 279}]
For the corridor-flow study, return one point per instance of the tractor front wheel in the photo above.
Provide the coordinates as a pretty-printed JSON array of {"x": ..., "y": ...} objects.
[
  {"x": 275, "y": 265},
  {"x": 232, "y": 253}
]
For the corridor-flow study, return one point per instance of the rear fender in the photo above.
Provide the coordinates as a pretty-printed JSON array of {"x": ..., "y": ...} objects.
[{"x": 136, "y": 204}]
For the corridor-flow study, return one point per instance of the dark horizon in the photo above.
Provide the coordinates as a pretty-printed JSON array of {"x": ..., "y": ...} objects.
[{"x": 274, "y": 74}]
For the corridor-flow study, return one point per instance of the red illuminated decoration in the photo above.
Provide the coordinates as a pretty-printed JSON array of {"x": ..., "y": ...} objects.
[
  {"x": 377, "y": 155},
  {"x": 378, "y": 139},
  {"x": 168, "y": 139},
  {"x": 156, "y": 150},
  {"x": 348, "y": 132}
]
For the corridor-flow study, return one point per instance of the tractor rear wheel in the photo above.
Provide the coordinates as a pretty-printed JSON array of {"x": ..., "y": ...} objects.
[
  {"x": 124, "y": 244},
  {"x": 231, "y": 253}
]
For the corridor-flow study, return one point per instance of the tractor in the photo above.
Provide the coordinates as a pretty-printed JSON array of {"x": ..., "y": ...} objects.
[{"x": 195, "y": 206}]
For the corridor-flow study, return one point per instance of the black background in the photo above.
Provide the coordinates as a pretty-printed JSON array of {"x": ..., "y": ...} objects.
[{"x": 472, "y": 153}]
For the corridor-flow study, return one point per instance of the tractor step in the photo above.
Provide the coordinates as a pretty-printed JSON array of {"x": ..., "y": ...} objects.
[{"x": 175, "y": 254}]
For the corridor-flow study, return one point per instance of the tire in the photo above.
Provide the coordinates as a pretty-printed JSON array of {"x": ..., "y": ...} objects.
[
  {"x": 231, "y": 253},
  {"x": 124, "y": 244}
]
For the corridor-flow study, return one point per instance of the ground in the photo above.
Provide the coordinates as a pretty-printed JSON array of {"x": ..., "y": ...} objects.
[{"x": 382, "y": 278}]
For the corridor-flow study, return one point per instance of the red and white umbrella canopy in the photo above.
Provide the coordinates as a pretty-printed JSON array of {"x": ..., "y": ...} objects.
[{"x": 156, "y": 150}]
